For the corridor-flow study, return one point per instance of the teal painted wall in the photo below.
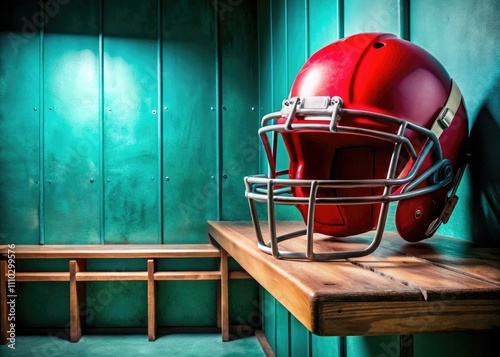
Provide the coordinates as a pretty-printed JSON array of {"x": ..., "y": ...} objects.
[
  {"x": 126, "y": 121},
  {"x": 465, "y": 36}
]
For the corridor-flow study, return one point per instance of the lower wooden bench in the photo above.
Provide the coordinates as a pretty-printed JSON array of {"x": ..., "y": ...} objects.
[{"x": 77, "y": 275}]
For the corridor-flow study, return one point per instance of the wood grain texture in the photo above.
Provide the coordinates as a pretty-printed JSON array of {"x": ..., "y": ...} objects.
[
  {"x": 441, "y": 285},
  {"x": 42, "y": 276},
  {"x": 77, "y": 304},
  {"x": 148, "y": 251},
  {"x": 187, "y": 275},
  {"x": 77, "y": 276},
  {"x": 224, "y": 291},
  {"x": 152, "y": 322}
]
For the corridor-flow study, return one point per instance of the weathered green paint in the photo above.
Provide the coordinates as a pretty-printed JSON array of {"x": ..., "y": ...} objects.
[
  {"x": 71, "y": 126},
  {"x": 189, "y": 125},
  {"x": 324, "y": 22},
  {"x": 124, "y": 92},
  {"x": 19, "y": 124},
  {"x": 371, "y": 16},
  {"x": 130, "y": 122},
  {"x": 239, "y": 115},
  {"x": 466, "y": 43}
]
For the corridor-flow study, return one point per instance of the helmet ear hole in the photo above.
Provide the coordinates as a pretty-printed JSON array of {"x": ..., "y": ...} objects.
[{"x": 378, "y": 45}]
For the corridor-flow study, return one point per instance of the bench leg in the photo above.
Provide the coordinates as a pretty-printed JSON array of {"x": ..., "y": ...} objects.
[
  {"x": 218, "y": 302},
  {"x": 152, "y": 328},
  {"x": 224, "y": 292},
  {"x": 3, "y": 302},
  {"x": 77, "y": 303}
]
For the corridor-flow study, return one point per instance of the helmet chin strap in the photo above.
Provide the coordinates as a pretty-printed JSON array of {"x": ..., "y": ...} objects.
[
  {"x": 447, "y": 114},
  {"x": 443, "y": 122}
]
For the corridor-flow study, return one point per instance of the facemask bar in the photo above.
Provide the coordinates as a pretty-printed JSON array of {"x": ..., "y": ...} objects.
[{"x": 273, "y": 189}]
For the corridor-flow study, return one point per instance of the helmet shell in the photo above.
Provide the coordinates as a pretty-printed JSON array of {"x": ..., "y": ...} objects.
[{"x": 382, "y": 74}]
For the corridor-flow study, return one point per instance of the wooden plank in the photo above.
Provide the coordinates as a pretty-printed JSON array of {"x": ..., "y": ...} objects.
[
  {"x": 187, "y": 275},
  {"x": 406, "y": 317},
  {"x": 224, "y": 291},
  {"x": 77, "y": 304},
  {"x": 455, "y": 254},
  {"x": 111, "y": 275},
  {"x": 42, "y": 276},
  {"x": 382, "y": 293},
  {"x": 433, "y": 281},
  {"x": 152, "y": 327},
  {"x": 150, "y": 251}
]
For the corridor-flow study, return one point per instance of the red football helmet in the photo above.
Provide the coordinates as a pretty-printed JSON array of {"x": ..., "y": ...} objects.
[{"x": 371, "y": 119}]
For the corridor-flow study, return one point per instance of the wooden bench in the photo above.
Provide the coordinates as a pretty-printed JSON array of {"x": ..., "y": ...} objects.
[
  {"x": 441, "y": 285},
  {"x": 77, "y": 275}
]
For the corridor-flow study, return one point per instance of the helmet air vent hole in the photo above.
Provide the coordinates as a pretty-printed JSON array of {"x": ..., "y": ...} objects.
[{"x": 378, "y": 45}]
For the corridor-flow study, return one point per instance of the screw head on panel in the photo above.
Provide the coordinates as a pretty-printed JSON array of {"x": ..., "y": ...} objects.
[
  {"x": 165, "y": 107},
  {"x": 91, "y": 180},
  {"x": 224, "y": 176},
  {"x": 108, "y": 180},
  {"x": 212, "y": 108},
  {"x": 212, "y": 177},
  {"x": 153, "y": 111},
  {"x": 50, "y": 108},
  {"x": 35, "y": 109},
  {"x": 167, "y": 178},
  {"x": 224, "y": 108}
]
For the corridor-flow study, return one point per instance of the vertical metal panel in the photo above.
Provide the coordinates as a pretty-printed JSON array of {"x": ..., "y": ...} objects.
[
  {"x": 19, "y": 123},
  {"x": 283, "y": 330},
  {"x": 239, "y": 80},
  {"x": 296, "y": 38},
  {"x": 324, "y": 22},
  {"x": 187, "y": 300},
  {"x": 189, "y": 146},
  {"x": 130, "y": 122},
  {"x": 270, "y": 325},
  {"x": 265, "y": 67},
  {"x": 466, "y": 43},
  {"x": 116, "y": 303},
  {"x": 326, "y": 346},
  {"x": 71, "y": 123},
  {"x": 300, "y": 339},
  {"x": 280, "y": 53},
  {"x": 373, "y": 346},
  {"x": 371, "y": 16},
  {"x": 184, "y": 305}
]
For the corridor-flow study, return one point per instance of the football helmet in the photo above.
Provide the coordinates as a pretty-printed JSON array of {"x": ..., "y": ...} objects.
[{"x": 371, "y": 119}]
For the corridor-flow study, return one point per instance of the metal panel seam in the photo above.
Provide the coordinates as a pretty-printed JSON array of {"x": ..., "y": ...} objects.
[
  {"x": 404, "y": 19},
  {"x": 340, "y": 19},
  {"x": 218, "y": 115},
  {"x": 101, "y": 122},
  {"x": 159, "y": 63},
  {"x": 41, "y": 118}
]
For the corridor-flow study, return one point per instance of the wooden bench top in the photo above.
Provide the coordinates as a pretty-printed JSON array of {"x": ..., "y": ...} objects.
[
  {"x": 113, "y": 251},
  {"x": 443, "y": 284}
]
